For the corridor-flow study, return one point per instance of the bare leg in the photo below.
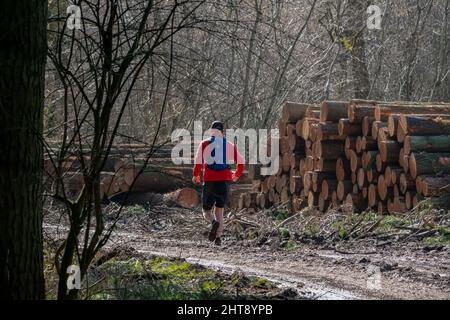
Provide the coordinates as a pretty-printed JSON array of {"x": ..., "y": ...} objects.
[
  {"x": 207, "y": 214},
  {"x": 219, "y": 217}
]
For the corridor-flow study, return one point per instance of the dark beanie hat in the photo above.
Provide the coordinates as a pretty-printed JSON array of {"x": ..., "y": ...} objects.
[{"x": 217, "y": 125}]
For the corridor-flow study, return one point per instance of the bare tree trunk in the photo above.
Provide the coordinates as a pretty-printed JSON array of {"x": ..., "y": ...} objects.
[
  {"x": 355, "y": 34},
  {"x": 23, "y": 43}
]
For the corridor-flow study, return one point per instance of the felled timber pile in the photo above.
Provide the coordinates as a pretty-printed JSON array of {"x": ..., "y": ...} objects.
[
  {"x": 370, "y": 155},
  {"x": 124, "y": 172}
]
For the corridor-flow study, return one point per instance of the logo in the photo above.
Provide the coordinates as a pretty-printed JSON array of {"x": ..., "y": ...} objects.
[
  {"x": 373, "y": 278},
  {"x": 257, "y": 150},
  {"x": 74, "y": 19},
  {"x": 74, "y": 278},
  {"x": 374, "y": 19}
]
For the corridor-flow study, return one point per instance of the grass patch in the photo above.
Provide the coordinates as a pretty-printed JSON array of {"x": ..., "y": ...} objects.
[{"x": 161, "y": 278}]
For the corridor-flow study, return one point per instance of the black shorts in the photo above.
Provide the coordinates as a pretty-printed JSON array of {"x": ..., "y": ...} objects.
[{"x": 215, "y": 193}]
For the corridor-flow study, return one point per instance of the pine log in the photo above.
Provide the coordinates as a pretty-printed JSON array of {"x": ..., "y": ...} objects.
[
  {"x": 389, "y": 151},
  {"x": 381, "y": 208},
  {"x": 376, "y": 126},
  {"x": 393, "y": 174},
  {"x": 284, "y": 145},
  {"x": 314, "y": 128},
  {"x": 369, "y": 159},
  {"x": 432, "y": 186},
  {"x": 328, "y": 131},
  {"x": 296, "y": 185},
  {"x": 431, "y": 144},
  {"x": 299, "y": 128},
  {"x": 383, "y": 111},
  {"x": 329, "y": 149},
  {"x": 420, "y": 126},
  {"x": 328, "y": 186},
  {"x": 369, "y": 144},
  {"x": 366, "y": 126},
  {"x": 372, "y": 176},
  {"x": 355, "y": 161},
  {"x": 284, "y": 195},
  {"x": 356, "y": 202},
  {"x": 310, "y": 163},
  {"x": 409, "y": 199},
  {"x": 392, "y": 125},
  {"x": 343, "y": 170},
  {"x": 358, "y": 109},
  {"x": 343, "y": 189},
  {"x": 286, "y": 162},
  {"x": 160, "y": 182},
  {"x": 186, "y": 198},
  {"x": 292, "y": 112},
  {"x": 313, "y": 200},
  {"x": 428, "y": 163},
  {"x": 306, "y": 127},
  {"x": 346, "y": 128},
  {"x": 406, "y": 183},
  {"x": 383, "y": 190},
  {"x": 361, "y": 178},
  {"x": 295, "y": 159},
  {"x": 333, "y": 111},
  {"x": 324, "y": 204},
  {"x": 282, "y": 128},
  {"x": 307, "y": 182},
  {"x": 281, "y": 182},
  {"x": 313, "y": 111},
  {"x": 291, "y": 130},
  {"x": 372, "y": 198},
  {"x": 324, "y": 165},
  {"x": 350, "y": 143},
  {"x": 297, "y": 144}
]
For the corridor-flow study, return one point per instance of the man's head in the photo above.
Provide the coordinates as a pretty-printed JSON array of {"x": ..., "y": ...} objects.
[{"x": 217, "y": 125}]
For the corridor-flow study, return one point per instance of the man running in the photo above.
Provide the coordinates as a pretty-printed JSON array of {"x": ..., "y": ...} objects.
[{"x": 214, "y": 156}]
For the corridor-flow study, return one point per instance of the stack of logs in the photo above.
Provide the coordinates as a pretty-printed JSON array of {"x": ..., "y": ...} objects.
[
  {"x": 123, "y": 173},
  {"x": 370, "y": 155}
]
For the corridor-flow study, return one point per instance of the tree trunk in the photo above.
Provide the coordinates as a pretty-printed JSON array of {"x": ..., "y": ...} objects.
[
  {"x": 23, "y": 44},
  {"x": 426, "y": 144}
]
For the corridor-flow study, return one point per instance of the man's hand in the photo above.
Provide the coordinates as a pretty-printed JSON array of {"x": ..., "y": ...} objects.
[
  {"x": 196, "y": 180},
  {"x": 234, "y": 178}
]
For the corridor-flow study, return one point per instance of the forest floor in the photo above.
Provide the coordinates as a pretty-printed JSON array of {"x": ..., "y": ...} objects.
[{"x": 339, "y": 256}]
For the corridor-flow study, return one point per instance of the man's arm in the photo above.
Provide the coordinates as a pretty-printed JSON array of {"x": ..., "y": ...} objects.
[
  {"x": 198, "y": 163},
  {"x": 239, "y": 160}
]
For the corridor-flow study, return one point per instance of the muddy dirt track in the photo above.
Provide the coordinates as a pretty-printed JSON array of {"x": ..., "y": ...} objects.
[
  {"x": 358, "y": 271},
  {"x": 402, "y": 271}
]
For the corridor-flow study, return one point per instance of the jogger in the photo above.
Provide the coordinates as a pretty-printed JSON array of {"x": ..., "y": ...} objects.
[{"x": 214, "y": 156}]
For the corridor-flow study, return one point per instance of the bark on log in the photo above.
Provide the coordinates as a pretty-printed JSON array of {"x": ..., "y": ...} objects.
[
  {"x": 186, "y": 198},
  {"x": 346, "y": 128},
  {"x": 357, "y": 112},
  {"x": 369, "y": 144},
  {"x": 333, "y": 111},
  {"x": 431, "y": 144},
  {"x": 389, "y": 151},
  {"x": 366, "y": 126},
  {"x": 428, "y": 163},
  {"x": 383, "y": 111},
  {"x": 376, "y": 126},
  {"x": 328, "y": 131},
  {"x": 344, "y": 188},
  {"x": 329, "y": 149},
  {"x": 292, "y": 112},
  {"x": 420, "y": 126},
  {"x": 343, "y": 170},
  {"x": 432, "y": 186}
]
